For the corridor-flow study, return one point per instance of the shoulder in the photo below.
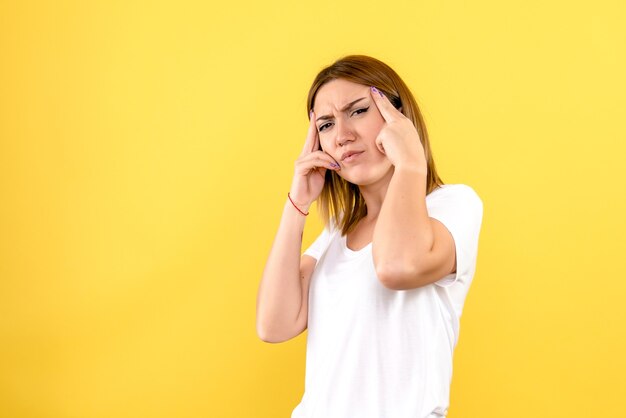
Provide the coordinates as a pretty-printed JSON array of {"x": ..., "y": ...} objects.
[
  {"x": 454, "y": 191},
  {"x": 333, "y": 224},
  {"x": 458, "y": 201},
  {"x": 459, "y": 208}
]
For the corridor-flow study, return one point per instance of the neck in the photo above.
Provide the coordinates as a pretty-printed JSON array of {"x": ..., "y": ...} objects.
[{"x": 374, "y": 195}]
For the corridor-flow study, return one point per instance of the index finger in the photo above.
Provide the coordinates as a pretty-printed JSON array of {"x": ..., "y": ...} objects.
[
  {"x": 311, "y": 137},
  {"x": 387, "y": 110}
]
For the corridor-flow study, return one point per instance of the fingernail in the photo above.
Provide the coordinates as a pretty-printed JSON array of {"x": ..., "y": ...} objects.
[
  {"x": 310, "y": 113},
  {"x": 334, "y": 165},
  {"x": 375, "y": 90}
]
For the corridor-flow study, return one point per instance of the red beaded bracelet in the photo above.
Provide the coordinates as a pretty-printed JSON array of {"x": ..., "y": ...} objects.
[{"x": 294, "y": 205}]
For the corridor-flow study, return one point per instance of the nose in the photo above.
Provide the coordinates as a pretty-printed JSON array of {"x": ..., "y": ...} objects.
[{"x": 344, "y": 132}]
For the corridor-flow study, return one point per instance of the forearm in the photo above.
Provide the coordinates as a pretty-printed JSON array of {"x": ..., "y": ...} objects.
[
  {"x": 279, "y": 297},
  {"x": 403, "y": 232}
]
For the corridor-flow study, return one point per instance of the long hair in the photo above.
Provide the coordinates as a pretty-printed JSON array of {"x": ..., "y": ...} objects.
[{"x": 339, "y": 198}]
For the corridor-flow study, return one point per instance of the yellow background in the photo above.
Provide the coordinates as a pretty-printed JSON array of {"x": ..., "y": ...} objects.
[{"x": 146, "y": 149}]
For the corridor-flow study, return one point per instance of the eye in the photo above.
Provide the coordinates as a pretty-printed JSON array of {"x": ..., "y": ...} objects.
[
  {"x": 321, "y": 128},
  {"x": 359, "y": 111}
]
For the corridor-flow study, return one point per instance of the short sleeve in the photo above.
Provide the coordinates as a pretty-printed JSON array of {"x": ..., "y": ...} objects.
[
  {"x": 459, "y": 208},
  {"x": 317, "y": 248}
]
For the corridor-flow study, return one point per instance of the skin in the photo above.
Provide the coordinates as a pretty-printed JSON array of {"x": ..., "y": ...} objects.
[{"x": 409, "y": 248}]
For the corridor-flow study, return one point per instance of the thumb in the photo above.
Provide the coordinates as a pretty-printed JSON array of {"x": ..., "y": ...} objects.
[{"x": 380, "y": 146}]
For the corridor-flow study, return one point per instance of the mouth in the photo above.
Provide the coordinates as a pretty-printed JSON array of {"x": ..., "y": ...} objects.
[{"x": 350, "y": 156}]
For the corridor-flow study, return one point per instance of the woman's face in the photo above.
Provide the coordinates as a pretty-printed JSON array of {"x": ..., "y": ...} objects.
[{"x": 348, "y": 123}]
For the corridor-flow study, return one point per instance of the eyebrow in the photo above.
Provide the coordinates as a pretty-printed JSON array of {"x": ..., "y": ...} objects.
[{"x": 346, "y": 107}]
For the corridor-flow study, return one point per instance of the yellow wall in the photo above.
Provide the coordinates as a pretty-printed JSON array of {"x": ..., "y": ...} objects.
[{"x": 146, "y": 150}]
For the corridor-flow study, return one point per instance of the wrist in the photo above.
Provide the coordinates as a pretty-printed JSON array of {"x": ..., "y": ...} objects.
[
  {"x": 410, "y": 168},
  {"x": 302, "y": 208}
]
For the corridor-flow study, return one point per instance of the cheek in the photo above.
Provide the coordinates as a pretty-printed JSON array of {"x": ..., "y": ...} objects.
[
  {"x": 371, "y": 127},
  {"x": 325, "y": 143},
  {"x": 376, "y": 125}
]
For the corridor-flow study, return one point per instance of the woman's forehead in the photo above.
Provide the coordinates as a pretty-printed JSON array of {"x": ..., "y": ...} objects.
[{"x": 338, "y": 93}]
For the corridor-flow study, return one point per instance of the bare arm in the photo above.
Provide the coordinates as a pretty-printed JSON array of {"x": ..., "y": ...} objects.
[
  {"x": 409, "y": 248},
  {"x": 282, "y": 306},
  {"x": 282, "y": 300}
]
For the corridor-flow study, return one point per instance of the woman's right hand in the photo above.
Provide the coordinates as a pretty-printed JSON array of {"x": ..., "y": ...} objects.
[{"x": 311, "y": 166}]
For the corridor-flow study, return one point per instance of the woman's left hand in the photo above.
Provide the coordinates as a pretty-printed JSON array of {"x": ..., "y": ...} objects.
[{"x": 398, "y": 139}]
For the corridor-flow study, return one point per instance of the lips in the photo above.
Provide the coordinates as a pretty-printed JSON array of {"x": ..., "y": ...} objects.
[{"x": 349, "y": 155}]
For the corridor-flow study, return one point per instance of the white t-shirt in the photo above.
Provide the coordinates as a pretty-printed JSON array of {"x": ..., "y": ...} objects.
[{"x": 382, "y": 353}]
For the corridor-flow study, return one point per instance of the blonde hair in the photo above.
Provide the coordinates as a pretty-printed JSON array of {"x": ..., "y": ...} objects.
[{"x": 339, "y": 198}]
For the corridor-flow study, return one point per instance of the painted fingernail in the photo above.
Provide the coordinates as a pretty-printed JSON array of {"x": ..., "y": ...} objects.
[
  {"x": 310, "y": 113},
  {"x": 375, "y": 90},
  {"x": 334, "y": 165}
]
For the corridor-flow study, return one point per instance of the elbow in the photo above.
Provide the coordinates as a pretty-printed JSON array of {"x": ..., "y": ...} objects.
[
  {"x": 398, "y": 276},
  {"x": 266, "y": 336},
  {"x": 269, "y": 335}
]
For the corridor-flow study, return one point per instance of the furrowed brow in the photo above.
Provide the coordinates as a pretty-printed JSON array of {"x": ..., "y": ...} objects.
[{"x": 346, "y": 107}]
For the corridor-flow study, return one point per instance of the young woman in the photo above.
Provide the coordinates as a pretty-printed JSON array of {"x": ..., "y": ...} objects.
[{"x": 381, "y": 290}]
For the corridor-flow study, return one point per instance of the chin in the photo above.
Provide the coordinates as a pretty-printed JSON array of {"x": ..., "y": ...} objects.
[
  {"x": 364, "y": 176},
  {"x": 360, "y": 180}
]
